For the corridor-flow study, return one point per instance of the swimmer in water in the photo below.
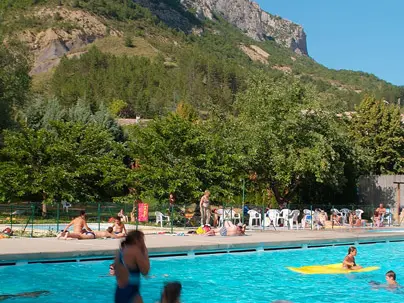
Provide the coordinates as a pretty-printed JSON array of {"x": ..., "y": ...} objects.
[
  {"x": 171, "y": 293},
  {"x": 112, "y": 270},
  {"x": 34, "y": 294},
  {"x": 391, "y": 279},
  {"x": 349, "y": 261}
]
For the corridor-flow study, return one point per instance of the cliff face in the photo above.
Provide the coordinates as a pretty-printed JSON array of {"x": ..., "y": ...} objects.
[{"x": 256, "y": 23}]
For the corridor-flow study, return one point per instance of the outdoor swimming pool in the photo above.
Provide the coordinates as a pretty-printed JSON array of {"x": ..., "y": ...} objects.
[{"x": 242, "y": 277}]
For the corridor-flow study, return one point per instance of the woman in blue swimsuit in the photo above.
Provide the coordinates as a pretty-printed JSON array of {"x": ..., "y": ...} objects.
[{"x": 131, "y": 260}]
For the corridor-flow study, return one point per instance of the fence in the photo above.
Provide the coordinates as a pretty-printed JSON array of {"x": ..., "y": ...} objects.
[{"x": 30, "y": 220}]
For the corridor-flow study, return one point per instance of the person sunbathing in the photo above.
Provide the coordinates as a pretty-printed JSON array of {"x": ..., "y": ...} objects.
[
  {"x": 66, "y": 235},
  {"x": 84, "y": 235},
  {"x": 354, "y": 221},
  {"x": 7, "y": 231},
  {"x": 119, "y": 228},
  {"x": 381, "y": 209},
  {"x": 349, "y": 260},
  {"x": 108, "y": 233},
  {"x": 336, "y": 220},
  {"x": 377, "y": 219},
  {"x": 79, "y": 224},
  {"x": 228, "y": 229},
  {"x": 322, "y": 218}
]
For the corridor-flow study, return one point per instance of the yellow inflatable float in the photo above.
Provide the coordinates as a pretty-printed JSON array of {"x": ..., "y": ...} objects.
[{"x": 329, "y": 269}]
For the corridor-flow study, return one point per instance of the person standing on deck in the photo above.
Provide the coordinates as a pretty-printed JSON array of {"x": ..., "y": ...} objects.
[{"x": 204, "y": 205}]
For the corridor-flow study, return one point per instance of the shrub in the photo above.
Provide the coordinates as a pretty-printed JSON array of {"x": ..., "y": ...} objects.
[{"x": 129, "y": 41}]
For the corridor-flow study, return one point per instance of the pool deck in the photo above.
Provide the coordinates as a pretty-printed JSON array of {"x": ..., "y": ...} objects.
[{"x": 27, "y": 250}]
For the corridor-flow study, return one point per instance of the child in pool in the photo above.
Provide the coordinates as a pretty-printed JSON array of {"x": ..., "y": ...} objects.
[
  {"x": 391, "y": 282},
  {"x": 349, "y": 261},
  {"x": 391, "y": 279}
]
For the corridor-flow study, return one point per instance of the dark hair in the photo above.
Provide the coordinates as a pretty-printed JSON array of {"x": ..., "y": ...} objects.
[
  {"x": 110, "y": 229},
  {"x": 391, "y": 274},
  {"x": 351, "y": 249},
  {"x": 171, "y": 292},
  {"x": 134, "y": 237},
  {"x": 118, "y": 218},
  {"x": 82, "y": 212}
]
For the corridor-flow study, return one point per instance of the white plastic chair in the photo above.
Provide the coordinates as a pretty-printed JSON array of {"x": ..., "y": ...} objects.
[
  {"x": 254, "y": 215},
  {"x": 344, "y": 213},
  {"x": 316, "y": 216},
  {"x": 284, "y": 216},
  {"x": 229, "y": 215},
  {"x": 18, "y": 212},
  {"x": 273, "y": 215},
  {"x": 335, "y": 211},
  {"x": 161, "y": 218},
  {"x": 359, "y": 213},
  {"x": 388, "y": 217},
  {"x": 66, "y": 205},
  {"x": 307, "y": 218},
  {"x": 293, "y": 217}
]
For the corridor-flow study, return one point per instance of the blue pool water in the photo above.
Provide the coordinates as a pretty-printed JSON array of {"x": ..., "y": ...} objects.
[{"x": 248, "y": 277}]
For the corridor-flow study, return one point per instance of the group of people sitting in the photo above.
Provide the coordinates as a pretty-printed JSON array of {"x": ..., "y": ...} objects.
[
  {"x": 82, "y": 231},
  {"x": 228, "y": 229},
  {"x": 353, "y": 219}
]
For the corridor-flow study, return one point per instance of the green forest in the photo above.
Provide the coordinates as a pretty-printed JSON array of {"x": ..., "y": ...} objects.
[{"x": 216, "y": 118}]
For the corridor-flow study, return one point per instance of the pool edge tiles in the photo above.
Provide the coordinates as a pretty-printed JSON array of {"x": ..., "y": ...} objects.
[{"x": 15, "y": 251}]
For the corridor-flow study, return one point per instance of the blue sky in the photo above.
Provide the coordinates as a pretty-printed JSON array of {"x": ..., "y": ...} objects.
[{"x": 366, "y": 35}]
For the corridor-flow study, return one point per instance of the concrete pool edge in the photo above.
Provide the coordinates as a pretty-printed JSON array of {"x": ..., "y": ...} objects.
[{"x": 189, "y": 249}]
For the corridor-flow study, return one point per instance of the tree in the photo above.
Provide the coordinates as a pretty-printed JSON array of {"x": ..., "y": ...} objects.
[
  {"x": 179, "y": 156},
  {"x": 285, "y": 137},
  {"x": 72, "y": 161},
  {"x": 14, "y": 83},
  {"x": 377, "y": 128},
  {"x": 187, "y": 111},
  {"x": 41, "y": 113}
]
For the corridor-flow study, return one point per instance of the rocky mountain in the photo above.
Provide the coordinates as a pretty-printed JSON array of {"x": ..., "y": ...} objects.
[
  {"x": 235, "y": 34},
  {"x": 253, "y": 21},
  {"x": 50, "y": 44},
  {"x": 243, "y": 14}
]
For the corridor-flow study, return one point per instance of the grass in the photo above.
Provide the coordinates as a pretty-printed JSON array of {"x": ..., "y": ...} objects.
[{"x": 116, "y": 46}]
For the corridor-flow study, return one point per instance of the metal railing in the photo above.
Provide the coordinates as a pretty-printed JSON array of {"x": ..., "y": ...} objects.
[{"x": 29, "y": 219}]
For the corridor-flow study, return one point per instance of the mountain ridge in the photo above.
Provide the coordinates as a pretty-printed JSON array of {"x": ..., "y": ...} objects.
[
  {"x": 53, "y": 32},
  {"x": 253, "y": 21}
]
